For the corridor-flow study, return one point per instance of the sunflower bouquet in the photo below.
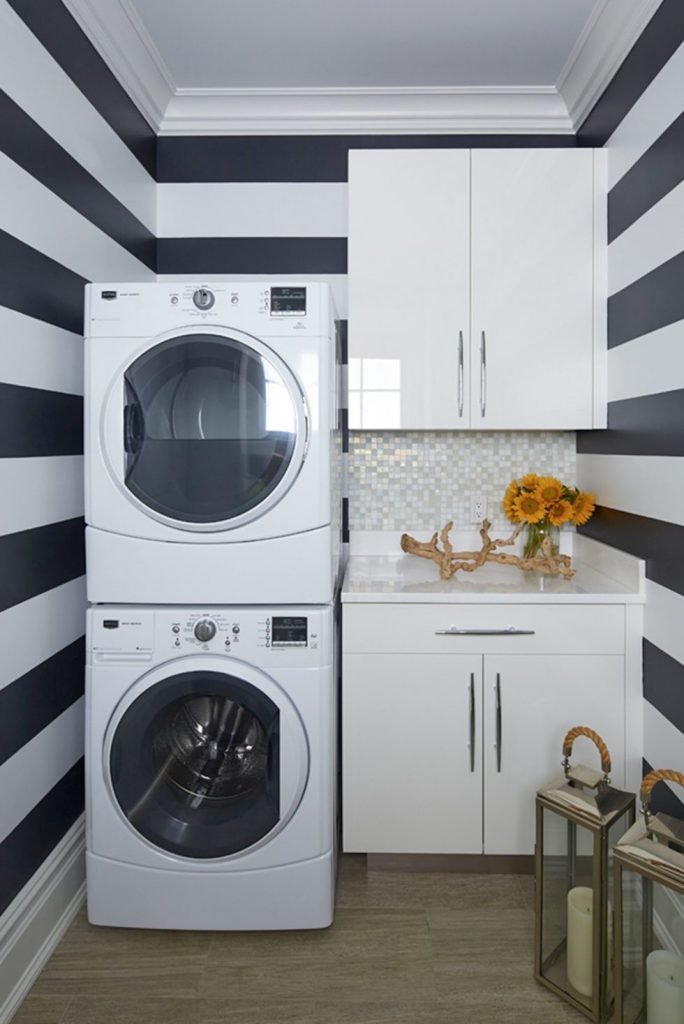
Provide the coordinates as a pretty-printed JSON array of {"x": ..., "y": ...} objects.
[{"x": 543, "y": 502}]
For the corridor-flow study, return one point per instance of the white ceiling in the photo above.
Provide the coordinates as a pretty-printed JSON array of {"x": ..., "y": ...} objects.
[{"x": 256, "y": 66}]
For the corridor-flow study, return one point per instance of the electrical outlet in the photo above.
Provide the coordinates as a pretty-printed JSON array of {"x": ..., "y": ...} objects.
[{"x": 478, "y": 508}]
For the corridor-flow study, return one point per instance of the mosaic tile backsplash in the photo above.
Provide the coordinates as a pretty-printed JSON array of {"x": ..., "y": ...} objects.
[{"x": 418, "y": 480}]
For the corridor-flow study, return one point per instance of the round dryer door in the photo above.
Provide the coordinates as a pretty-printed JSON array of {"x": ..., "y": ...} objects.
[
  {"x": 214, "y": 430},
  {"x": 204, "y": 764}
]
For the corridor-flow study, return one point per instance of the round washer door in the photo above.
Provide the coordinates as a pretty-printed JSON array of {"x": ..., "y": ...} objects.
[
  {"x": 204, "y": 761},
  {"x": 205, "y": 430}
]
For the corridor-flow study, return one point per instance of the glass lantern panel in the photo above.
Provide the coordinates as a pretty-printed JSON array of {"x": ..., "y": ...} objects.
[
  {"x": 615, "y": 832},
  {"x": 567, "y": 906}
]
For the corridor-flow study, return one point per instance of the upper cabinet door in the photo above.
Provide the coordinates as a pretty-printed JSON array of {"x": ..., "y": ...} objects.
[
  {"x": 409, "y": 288},
  {"x": 532, "y": 315}
]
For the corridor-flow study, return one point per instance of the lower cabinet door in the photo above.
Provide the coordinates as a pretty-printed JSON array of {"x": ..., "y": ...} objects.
[
  {"x": 412, "y": 753},
  {"x": 530, "y": 702}
]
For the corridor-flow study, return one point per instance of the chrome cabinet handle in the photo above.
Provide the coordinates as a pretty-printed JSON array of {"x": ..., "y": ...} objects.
[
  {"x": 472, "y": 721},
  {"x": 460, "y": 373},
  {"x": 508, "y": 631},
  {"x": 498, "y": 722},
  {"x": 483, "y": 373}
]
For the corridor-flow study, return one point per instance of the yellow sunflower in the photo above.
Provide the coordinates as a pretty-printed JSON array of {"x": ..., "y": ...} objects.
[
  {"x": 529, "y": 507},
  {"x": 583, "y": 507},
  {"x": 560, "y": 512},
  {"x": 530, "y": 481},
  {"x": 512, "y": 492},
  {"x": 550, "y": 489}
]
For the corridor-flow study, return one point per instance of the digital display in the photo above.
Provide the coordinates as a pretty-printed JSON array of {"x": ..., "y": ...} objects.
[
  {"x": 289, "y": 631},
  {"x": 288, "y": 301}
]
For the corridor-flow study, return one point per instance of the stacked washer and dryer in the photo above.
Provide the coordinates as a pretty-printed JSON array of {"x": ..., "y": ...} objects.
[{"x": 213, "y": 510}]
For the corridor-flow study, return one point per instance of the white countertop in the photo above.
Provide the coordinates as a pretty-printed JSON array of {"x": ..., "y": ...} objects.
[{"x": 603, "y": 576}]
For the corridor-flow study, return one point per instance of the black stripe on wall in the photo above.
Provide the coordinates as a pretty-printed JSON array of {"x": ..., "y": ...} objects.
[
  {"x": 37, "y": 560},
  {"x": 345, "y": 520},
  {"x": 32, "y": 148},
  {"x": 252, "y": 256},
  {"x": 305, "y": 158},
  {"x": 654, "y": 47},
  {"x": 664, "y": 684},
  {"x": 660, "y": 544},
  {"x": 649, "y": 425},
  {"x": 663, "y": 798},
  {"x": 38, "y": 286},
  {"x": 25, "y": 849},
  {"x": 648, "y": 181},
  {"x": 34, "y": 700},
  {"x": 34, "y": 422},
  {"x": 59, "y": 33},
  {"x": 655, "y": 300}
]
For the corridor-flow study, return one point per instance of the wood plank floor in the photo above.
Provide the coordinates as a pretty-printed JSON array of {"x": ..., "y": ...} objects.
[{"x": 405, "y": 947}]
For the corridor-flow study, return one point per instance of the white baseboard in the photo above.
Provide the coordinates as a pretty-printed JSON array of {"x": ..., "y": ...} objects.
[{"x": 38, "y": 917}]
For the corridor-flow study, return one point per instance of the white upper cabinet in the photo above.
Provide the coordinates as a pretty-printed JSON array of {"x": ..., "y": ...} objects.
[{"x": 472, "y": 289}]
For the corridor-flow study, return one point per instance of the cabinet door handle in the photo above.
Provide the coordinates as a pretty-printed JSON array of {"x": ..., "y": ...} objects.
[
  {"x": 507, "y": 631},
  {"x": 471, "y": 714},
  {"x": 499, "y": 736},
  {"x": 483, "y": 373},
  {"x": 460, "y": 373}
]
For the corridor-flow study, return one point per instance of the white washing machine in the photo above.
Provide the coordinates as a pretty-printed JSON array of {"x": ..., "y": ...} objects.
[
  {"x": 210, "y": 767},
  {"x": 212, "y": 444}
]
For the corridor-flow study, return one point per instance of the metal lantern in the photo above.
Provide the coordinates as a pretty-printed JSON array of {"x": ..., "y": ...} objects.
[
  {"x": 580, "y": 817},
  {"x": 649, "y": 915}
]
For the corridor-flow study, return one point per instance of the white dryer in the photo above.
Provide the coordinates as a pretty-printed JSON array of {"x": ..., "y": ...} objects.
[
  {"x": 210, "y": 767},
  {"x": 212, "y": 448}
]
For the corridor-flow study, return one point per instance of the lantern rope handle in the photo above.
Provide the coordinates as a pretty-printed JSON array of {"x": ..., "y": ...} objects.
[
  {"x": 650, "y": 780},
  {"x": 584, "y": 730}
]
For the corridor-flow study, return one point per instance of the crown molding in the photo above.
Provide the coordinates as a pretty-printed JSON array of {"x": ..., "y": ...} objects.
[
  {"x": 117, "y": 33},
  {"x": 609, "y": 35},
  {"x": 356, "y": 111}
]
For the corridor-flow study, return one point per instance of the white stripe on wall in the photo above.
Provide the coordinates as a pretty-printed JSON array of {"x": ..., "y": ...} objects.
[
  {"x": 41, "y": 490},
  {"x": 653, "y": 239},
  {"x": 33, "y": 213},
  {"x": 648, "y": 365},
  {"x": 252, "y": 210},
  {"x": 35, "y": 354},
  {"x": 645, "y": 485},
  {"x": 52, "y": 620},
  {"x": 27, "y": 776},
  {"x": 663, "y": 618},
  {"x": 38, "y": 84},
  {"x": 662, "y": 742},
  {"x": 653, "y": 112},
  {"x": 337, "y": 282}
]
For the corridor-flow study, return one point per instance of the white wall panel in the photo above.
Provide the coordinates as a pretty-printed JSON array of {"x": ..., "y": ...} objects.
[
  {"x": 27, "y": 776},
  {"x": 337, "y": 282},
  {"x": 33, "y": 213},
  {"x": 653, "y": 112},
  {"x": 52, "y": 621},
  {"x": 645, "y": 485},
  {"x": 648, "y": 365},
  {"x": 35, "y": 354},
  {"x": 663, "y": 619},
  {"x": 653, "y": 239},
  {"x": 37, "y": 83},
  {"x": 252, "y": 210},
  {"x": 39, "y": 491}
]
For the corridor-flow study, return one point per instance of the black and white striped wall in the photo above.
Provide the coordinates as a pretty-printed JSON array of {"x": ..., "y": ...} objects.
[
  {"x": 636, "y": 467},
  {"x": 78, "y": 203}
]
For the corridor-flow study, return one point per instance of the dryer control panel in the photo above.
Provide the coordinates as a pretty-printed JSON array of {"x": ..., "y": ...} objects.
[{"x": 267, "y": 635}]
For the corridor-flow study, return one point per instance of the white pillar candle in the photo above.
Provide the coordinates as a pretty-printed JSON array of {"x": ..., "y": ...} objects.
[
  {"x": 664, "y": 987},
  {"x": 580, "y": 960}
]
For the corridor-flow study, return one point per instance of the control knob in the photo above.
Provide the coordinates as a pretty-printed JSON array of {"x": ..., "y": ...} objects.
[
  {"x": 205, "y": 630},
  {"x": 203, "y": 298}
]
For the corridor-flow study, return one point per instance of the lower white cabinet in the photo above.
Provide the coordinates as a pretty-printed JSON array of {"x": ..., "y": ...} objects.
[{"x": 444, "y": 746}]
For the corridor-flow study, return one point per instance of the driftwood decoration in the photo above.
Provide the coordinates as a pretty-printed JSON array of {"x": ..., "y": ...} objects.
[{"x": 450, "y": 561}]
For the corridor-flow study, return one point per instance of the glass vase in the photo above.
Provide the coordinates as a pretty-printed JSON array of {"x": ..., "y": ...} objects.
[{"x": 536, "y": 534}]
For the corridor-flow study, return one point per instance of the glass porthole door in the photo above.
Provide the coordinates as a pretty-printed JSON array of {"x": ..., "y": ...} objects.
[{"x": 214, "y": 430}]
